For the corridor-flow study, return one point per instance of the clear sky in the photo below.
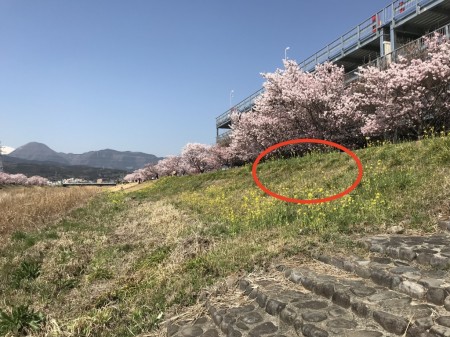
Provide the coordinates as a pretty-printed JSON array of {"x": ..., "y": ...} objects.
[{"x": 147, "y": 75}]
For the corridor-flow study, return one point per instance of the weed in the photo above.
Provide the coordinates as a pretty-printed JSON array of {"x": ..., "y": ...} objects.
[
  {"x": 28, "y": 240},
  {"x": 19, "y": 236},
  {"x": 100, "y": 273},
  {"x": 156, "y": 257},
  {"x": 27, "y": 270},
  {"x": 20, "y": 320}
]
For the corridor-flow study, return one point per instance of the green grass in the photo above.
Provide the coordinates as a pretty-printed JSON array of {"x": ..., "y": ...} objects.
[
  {"x": 116, "y": 266},
  {"x": 401, "y": 182},
  {"x": 20, "y": 320}
]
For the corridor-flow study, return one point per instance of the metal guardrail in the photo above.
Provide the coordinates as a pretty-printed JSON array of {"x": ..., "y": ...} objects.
[
  {"x": 88, "y": 184},
  {"x": 223, "y": 136},
  {"x": 365, "y": 31},
  {"x": 243, "y": 106},
  {"x": 384, "y": 61}
]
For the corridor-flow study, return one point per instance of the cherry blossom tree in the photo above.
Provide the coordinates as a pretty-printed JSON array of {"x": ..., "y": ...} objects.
[
  {"x": 224, "y": 157},
  {"x": 170, "y": 166},
  {"x": 21, "y": 179},
  {"x": 405, "y": 98},
  {"x": 199, "y": 158},
  {"x": 408, "y": 97},
  {"x": 37, "y": 181},
  {"x": 150, "y": 171},
  {"x": 296, "y": 104},
  {"x": 136, "y": 176}
]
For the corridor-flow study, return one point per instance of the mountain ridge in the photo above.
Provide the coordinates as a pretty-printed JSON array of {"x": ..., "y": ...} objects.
[{"x": 107, "y": 158}]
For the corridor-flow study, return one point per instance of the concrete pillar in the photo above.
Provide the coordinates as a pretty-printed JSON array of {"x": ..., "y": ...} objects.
[{"x": 393, "y": 38}]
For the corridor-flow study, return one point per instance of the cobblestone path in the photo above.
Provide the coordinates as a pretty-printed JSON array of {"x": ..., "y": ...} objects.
[{"x": 401, "y": 289}]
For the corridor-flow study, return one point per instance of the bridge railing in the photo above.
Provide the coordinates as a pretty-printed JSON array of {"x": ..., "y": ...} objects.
[
  {"x": 362, "y": 33},
  {"x": 243, "y": 106},
  {"x": 223, "y": 136},
  {"x": 413, "y": 46}
]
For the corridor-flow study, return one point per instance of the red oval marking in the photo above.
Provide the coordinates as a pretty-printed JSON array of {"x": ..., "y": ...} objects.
[{"x": 307, "y": 140}]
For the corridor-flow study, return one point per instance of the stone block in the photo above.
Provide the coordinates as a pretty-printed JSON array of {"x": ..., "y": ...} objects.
[
  {"x": 298, "y": 324},
  {"x": 424, "y": 258},
  {"x": 314, "y": 316},
  {"x": 447, "y": 303},
  {"x": 440, "y": 262},
  {"x": 296, "y": 276},
  {"x": 191, "y": 331},
  {"x": 325, "y": 289},
  {"x": 274, "y": 307},
  {"x": 211, "y": 333},
  {"x": 436, "y": 295},
  {"x": 444, "y": 225},
  {"x": 393, "y": 252},
  {"x": 261, "y": 299},
  {"x": 349, "y": 266},
  {"x": 309, "y": 283},
  {"x": 233, "y": 333},
  {"x": 377, "y": 248},
  {"x": 288, "y": 315},
  {"x": 439, "y": 330},
  {"x": 362, "y": 271},
  {"x": 390, "y": 323},
  {"x": 412, "y": 288},
  {"x": 407, "y": 254},
  {"x": 424, "y": 322},
  {"x": 310, "y": 330},
  {"x": 338, "y": 263},
  {"x": 324, "y": 258},
  {"x": 243, "y": 284},
  {"x": 384, "y": 278},
  {"x": 361, "y": 309},
  {"x": 248, "y": 290},
  {"x": 444, "y": 321},
  {"x": 251, "y": 318},
  {"x": 217, "y": 319},
  {"x": 287, "y": 272},
  {"x": 429, "y": 282},
  {"x": 341, "y": 324},
  {"x": 263, "y": 329},
  {"x": 254, "y": 293},
  {"x": 341, "y": 298}
]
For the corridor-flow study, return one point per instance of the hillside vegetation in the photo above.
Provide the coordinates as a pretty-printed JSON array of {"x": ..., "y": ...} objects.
[{"x": 124, "y": 263}]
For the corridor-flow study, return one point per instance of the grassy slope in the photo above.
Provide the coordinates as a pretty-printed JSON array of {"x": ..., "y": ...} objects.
[{"x": 114, "y": 267}]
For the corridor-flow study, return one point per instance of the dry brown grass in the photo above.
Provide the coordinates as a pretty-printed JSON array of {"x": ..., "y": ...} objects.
[
  {"x": 130, "y": 187},
  {"x": 124, "y": 249},
  {"x": 29, "y": 208}
]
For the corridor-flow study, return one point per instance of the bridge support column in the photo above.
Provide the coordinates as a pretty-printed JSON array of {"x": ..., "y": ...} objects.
[
  {"x": 384, "y": 37},
  {"x": 393, "y": 38}
]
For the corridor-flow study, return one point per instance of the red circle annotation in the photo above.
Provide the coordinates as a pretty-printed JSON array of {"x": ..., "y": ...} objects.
[{"x": 307, "y": 140}]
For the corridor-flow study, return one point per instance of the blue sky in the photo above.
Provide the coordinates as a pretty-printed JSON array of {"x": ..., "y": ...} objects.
[{"x": 146, "y": 75}]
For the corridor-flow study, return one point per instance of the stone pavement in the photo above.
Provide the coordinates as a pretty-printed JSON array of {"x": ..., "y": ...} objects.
[{"x": 401, "y": 288}]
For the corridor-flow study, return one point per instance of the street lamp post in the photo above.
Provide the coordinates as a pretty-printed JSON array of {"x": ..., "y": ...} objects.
[
  {"x": 231, "y": 96},
  {"x": 285, "y": 52}
]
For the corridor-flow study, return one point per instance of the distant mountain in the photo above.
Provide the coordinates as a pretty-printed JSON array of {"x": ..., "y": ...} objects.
[
  {"x": 112, "y": 159},
  {"x": 38, "y": 152},
  {"x": 123, "y": 160},
  {"x": 57, "y": 171},
  {"x": 7, "y": 149}
]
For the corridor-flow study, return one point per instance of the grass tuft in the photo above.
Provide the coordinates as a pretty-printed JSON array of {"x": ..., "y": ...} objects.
[{"x": 20, "y": 321}]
